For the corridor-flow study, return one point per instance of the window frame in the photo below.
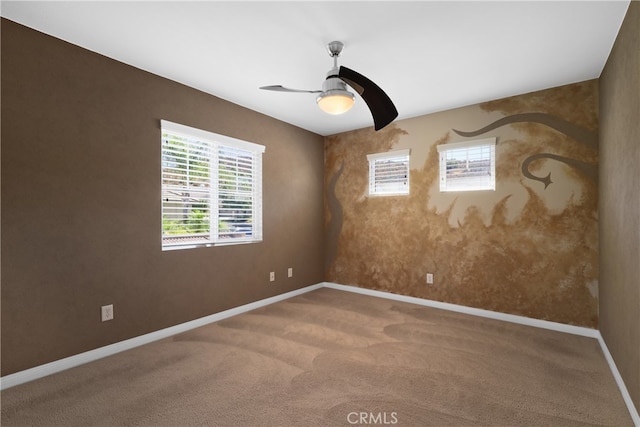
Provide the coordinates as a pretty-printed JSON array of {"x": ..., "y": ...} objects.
[
  {"x": 405, "y": 155},
  {"x": 216, "y": 144},
  {"x": 443, "y": 149}
]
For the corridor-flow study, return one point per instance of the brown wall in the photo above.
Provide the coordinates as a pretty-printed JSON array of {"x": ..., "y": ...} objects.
[
  {"x": 81, "y": 204},
  {"x": 529, "y": 248},
  {"x": 620, "y": 202}
]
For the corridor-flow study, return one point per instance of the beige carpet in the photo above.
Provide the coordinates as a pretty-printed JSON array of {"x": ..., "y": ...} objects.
[{"x": 334, "y": 358}]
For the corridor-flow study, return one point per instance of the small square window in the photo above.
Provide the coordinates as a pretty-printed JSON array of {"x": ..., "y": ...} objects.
[
  {"x": 389, "y": 173},
  {"x": 468, "y": 166}
]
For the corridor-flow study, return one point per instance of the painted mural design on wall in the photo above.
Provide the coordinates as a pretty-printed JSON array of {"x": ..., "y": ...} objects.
[
  {"x": 335, "y": 219},
  {"x": 578, "y": 133},
  {"x": 526, "y": 248}
]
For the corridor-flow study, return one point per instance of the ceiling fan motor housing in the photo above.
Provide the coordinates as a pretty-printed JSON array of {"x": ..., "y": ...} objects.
[
  {"x": 335, "y": 98},
  {"x": 333, "y": 82}
]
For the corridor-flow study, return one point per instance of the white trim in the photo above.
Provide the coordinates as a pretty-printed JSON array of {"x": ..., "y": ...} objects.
[
  {"x": 544, "y": 324},
  {"x": 189, "y": 132},
  {"x": 389, "y": 154},
  {"x": 89, "y": 356},
  {"x": 466, "y": 144},
  {"x": 616, "y": 374}
]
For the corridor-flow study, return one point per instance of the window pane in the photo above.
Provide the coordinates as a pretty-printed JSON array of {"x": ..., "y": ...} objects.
[
  {"x": 185, "y": 190},
  {"x": 389, "y": 175},
  {"x": 236, "y": 193},
  {"x": 471, "y": 167}
]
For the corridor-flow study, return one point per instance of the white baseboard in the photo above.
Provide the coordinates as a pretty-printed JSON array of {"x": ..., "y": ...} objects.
[
  {"x": 623, "y": 388},
  {"x": 89, "y": 356},
  {"x": 544, "y": 324}
]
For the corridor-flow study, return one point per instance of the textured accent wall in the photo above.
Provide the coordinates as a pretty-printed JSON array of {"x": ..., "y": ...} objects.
[
  {"x": 620, "y": 202},
  {"x": 529, "y": 248},
  {"x": 81, "y": 204}
]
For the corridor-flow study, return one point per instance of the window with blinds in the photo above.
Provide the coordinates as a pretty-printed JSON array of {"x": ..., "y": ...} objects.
[
  {"x": 389, "y": 173},
  {"x": 211, "y": 188},
  {"x": 468, "y": 166}
]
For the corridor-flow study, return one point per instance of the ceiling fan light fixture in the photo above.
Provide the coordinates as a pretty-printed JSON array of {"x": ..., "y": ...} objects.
[{"x": 335, "y": 101}]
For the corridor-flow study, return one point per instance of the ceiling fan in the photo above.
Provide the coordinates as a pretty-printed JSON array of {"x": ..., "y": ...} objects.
[{"x": 334, "y": 98}]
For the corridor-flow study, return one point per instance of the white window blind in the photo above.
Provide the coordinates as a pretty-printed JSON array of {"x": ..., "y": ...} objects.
[
  {"x": 238, "y": 191},
  {"x": 389, "y": 173},
  {"x": 186, "y": 190},
  {"x": 468, "y": 166},
  {"x": 211, "y": 188}
]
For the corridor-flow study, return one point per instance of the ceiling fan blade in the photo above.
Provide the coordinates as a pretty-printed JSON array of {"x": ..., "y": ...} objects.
[
  {"x": 280, "y": 88},
  {"x": 381, "y": 106}
]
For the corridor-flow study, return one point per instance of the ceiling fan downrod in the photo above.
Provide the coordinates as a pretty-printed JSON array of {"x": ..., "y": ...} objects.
[{"x": 335, "y": 97}]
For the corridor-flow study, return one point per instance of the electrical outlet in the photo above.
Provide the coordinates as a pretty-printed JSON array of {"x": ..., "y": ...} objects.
[
  {"x": 272, "y": 276},
  {"x": 107, "y": 312},
  {"x": 429, "y": 278},
  {"x": 290, "y": 272}
]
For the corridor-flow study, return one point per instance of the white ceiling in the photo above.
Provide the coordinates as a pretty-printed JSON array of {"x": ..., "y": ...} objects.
[{"x": 427, "y": 56}]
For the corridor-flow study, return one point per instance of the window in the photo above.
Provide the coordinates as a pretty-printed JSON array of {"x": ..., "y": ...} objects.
[
  {"x": 468, "y": 166},
  {"x": 389, "y": 173},
  {"x": 211, "y": 188}
]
